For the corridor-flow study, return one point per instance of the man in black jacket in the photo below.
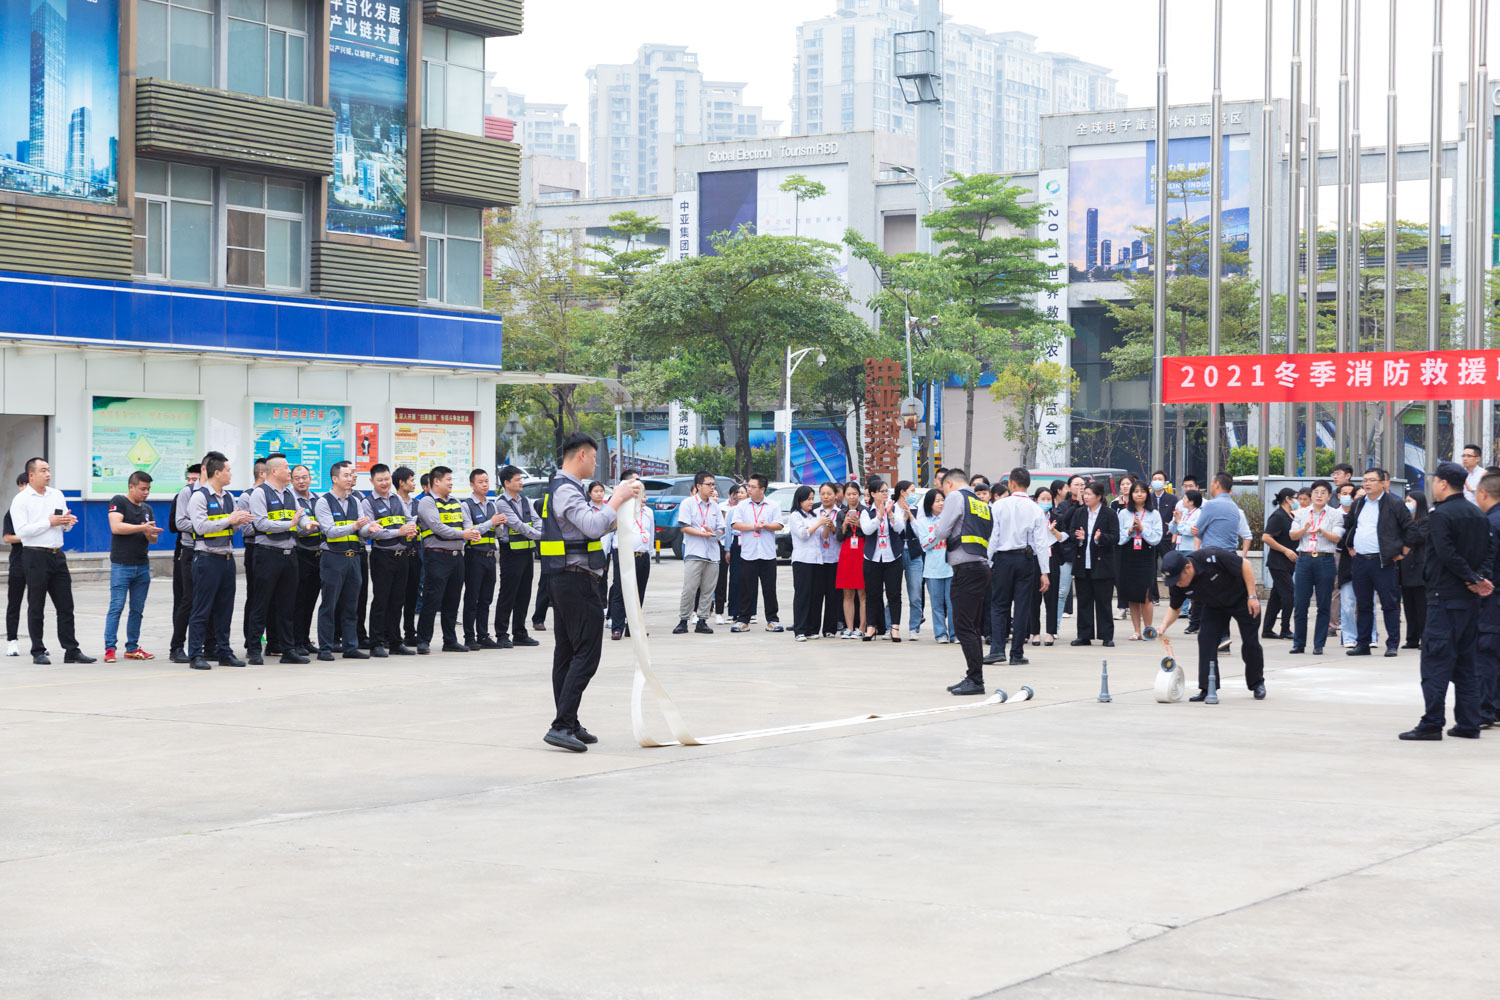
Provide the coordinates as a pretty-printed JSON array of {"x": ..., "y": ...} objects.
[
  {"x": 1459, "y": 562},
  {"x": 1378, "y": 533}
]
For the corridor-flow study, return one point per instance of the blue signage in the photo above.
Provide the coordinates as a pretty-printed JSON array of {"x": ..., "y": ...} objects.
[{"x": 367, "y": 90}]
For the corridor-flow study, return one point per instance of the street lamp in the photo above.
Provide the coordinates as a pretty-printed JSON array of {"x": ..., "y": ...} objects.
[
  {"x": 792, "y": 361},
  {"x": 929, "y": 190}
]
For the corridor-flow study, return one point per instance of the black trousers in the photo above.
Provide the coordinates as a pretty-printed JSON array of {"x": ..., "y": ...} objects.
[
  {"x": 617, "y": 596},
  {"x": 1047, "y": 603},
  {"x": 1414, "y": 603},
  {"x": 274, "y": 585},
  {"x": 1095, "y": 618},
  {"x": 580, "y": 639},
  {"x": 764, "y": 571},
  {"x": 1371, "y": 578},
  {"x": 413, "y": 595},
  {"x": 182, "y": 594},
  {"x": 1487, "y": 667},
  {"x": 479, "y": 591},
  {"x": 390, "y": 572},
  {"x": 361, "y": 602},
  {"x": 543, "y": 600},
  {"x": 309, "y": 588},
  {"x": 252, "y": 639},
  {"x": 971, "y": 586},
  {"x": 884, "y": 584},
  {"x": 807, "y": 599},
  {"x": 1215, "y": 629},
  {"x": 516, "y": 572},
  {"x": 213, "y": 604},
  {"x": 1280, "y": 602},
  {"x": 47, "y": 576},
  {"x": 442, "y": 589},
  {"x": 340, "y": 574},
  {"x": 832, "y": 600},
  {"x": 15, "y": 585},
  {"x": 1448, "y": 646},
  {"x": 1014, "y": 578}
]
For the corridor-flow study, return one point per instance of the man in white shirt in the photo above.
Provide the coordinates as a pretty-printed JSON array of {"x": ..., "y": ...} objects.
[
  {"x": 756, "y": 521},
  {"x": 40, "y": 516},
  {"x": 1020, "y": 550},
  {"x": 1473, "y": 471},
  {"x": 700, "y": 521}
]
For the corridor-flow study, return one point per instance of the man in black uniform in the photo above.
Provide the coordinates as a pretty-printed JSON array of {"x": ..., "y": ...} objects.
[
  {"x": 309, "y": 564},
  {"x": 182, "y": 567},
  {"x": 573, "y": 554},
  {"x": 1281, "y": 556},
  {"x": 1456, "y": 575},
  {"x": 479, "y": 563},
  {"x": 1487, "y": 653},
  {"x": 1225, "y": 583},
  {"x": 517, "y": 562}
]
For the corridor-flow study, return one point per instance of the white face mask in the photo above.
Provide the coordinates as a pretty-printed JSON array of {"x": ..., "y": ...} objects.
[
  {"x": 1411, "y": 505},
  {"x": 1158, "y": 485}
]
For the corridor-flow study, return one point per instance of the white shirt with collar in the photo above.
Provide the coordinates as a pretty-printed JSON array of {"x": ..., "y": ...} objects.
[
  {"x": 881, "y": 531},
  {"x": 1020, "y": 524},
  {"x": 1088, "y": 536},
  {"x": 1312, "y": 522},
  {"x": 1367, "y": 529},
  {"x": 1471, "y": 483},
  {"x": 29, "y": 513},
  {"x": 756, "y": 543}
]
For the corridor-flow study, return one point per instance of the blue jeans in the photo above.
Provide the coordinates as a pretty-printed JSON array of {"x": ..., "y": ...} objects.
[
  {"x": 1309, "y": 574},
  {"x": 914, "y": 592},
  {"x": 940, "y": 592},
  {"x": 1349, "y": 616},
  {"x": 134, "y": 582},
  {"x": 1064, "y": 585}
]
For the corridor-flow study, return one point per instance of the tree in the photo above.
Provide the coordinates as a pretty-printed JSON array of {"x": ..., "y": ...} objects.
[
  {"x": 802, "y": 190},
  {"x": 619, "y": 268},
  {"x": 1029, "y": 383},
  {"x": 738, "y": 309}
]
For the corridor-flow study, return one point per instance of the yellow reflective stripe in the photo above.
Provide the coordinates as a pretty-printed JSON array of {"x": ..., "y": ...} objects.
[
  {"x": 340, "y": 524},
  {"x": 596, "y": 546},
  {"x": 457, "y": 518},
  {"x": 551, "y": 548},
  {"x": 394, "y": 521},
  {"x": 520, "y": 545},
  {"x": 424, "y": 533},
  {"x": 975, "y": 539},
  {"x": 281, "y": 515},
  {"x": 484, "y": 541},
  {"x": 217, "y": 534}
]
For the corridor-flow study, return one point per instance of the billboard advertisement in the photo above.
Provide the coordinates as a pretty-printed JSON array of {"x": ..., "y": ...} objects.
[
  {"x": 130, "y": 434},
  {"x": 307, "y": 435},
  {"x": 730, "y": 199},
  {"x": 367, "y": 91},
  {"x": 60, "y": 118},
  {"x": 1112, "y": 202}
]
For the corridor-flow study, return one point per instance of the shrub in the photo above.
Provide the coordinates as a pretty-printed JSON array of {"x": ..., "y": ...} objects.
[{"x": 720, "y": 460}]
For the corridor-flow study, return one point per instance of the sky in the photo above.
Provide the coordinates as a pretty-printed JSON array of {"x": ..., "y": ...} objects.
[{"x": 754, "y": 43}]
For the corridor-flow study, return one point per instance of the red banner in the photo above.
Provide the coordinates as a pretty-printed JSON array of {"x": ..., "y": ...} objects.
[{"x": 1331, "y": 378}]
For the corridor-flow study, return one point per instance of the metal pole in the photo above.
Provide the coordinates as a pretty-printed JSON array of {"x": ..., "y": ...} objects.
[
  {"x": 1359, "y": 441},
  {"x": 1215, "y": 223},
  {"x": 1434, "y": 226},
  {"x": 1341, "y": 237},
  {"x": 1484, "y": 408},
  {"x": 1312, "y": 221},
  {"x": 1159, "y": 256},
  {"x": 911, "y": 393},
  {"x": 786, "y": 461},
  {"x": 1293, "y": 232},
  {"x": 1263, "y": 453},
  {"x": 1470, "y": 217},
  {"x": 1391, "y": 451}
]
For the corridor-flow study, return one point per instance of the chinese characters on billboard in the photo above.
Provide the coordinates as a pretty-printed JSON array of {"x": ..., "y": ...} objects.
[
  {"x": 1320, "y": 378},
  {"x": 423, "y": 439},
  {"x": 307, "y": 435},
  {"x": 60, "y": 113},
  {"x": 129, "y": 434},
  {"x": 367, "y": 91}
]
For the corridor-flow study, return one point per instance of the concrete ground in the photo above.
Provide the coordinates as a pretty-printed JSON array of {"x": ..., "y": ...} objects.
[{"x": 396, "y": 828}]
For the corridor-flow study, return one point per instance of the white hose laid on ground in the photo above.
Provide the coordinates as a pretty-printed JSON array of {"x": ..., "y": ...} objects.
[
  {"x": 646, "y": 677},
  {"x": 1170, "y": 683}
]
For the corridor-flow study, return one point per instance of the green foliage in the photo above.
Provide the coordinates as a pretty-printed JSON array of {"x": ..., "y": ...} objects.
[
  {"x": 1027, "y": 383},
  {"x": 720, "y": 460},
  {"x": 1242, "y": 461},
  {"x": 619, "y": 269},
  {"x": 803, "y": 190},
  {"x": 1254, "y": 507}
]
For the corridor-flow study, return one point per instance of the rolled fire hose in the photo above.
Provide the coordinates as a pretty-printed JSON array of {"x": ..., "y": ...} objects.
[
  {"x": 1170, "y": 683},
  {"x": 646, "y": 678}
]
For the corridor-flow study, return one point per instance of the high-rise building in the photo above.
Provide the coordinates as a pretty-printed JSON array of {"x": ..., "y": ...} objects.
[
  {"x": 541, "y": 129},
  {"x": 996, "y": 85},
  {"x": 48, "y": 148},
  {"x": 1091, "y": 238},
  {"x": 79, "y": 170},
  {"x": 1106, "y": 247},
  {"x": 638, "y": 111},
  {"x": 1137, "y": 249}
]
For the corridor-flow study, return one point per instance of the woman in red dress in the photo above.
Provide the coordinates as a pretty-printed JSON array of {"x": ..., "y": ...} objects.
[{"x": 851, "y": 572}]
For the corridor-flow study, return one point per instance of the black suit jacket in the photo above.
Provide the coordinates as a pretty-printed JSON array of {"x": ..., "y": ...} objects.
[
  {"x": 1395, "y": 528},
  {"x": 1107, "y": 525}
]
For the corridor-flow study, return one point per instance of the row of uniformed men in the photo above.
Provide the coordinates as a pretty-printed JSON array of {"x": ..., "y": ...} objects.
[{"x": 428, "y": 555}]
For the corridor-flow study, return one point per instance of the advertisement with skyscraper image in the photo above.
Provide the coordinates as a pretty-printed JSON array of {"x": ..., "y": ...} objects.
[
  {"x": 1112, "y": 197},
  {"x": 367, "y": 91},
  {"x": 60, "y": 98}
]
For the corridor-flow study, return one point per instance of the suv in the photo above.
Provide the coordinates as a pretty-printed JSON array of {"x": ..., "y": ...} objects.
[{"x": 664, "y": 497}]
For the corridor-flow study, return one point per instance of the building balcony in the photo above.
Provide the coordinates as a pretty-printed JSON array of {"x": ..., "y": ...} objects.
[
  {"x": 490, "y": 18},
  {"x": 469, "y": 169},
  {"x": 177, "y": 121}
]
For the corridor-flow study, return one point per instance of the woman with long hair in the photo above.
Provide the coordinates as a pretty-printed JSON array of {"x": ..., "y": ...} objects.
[
  {"x": 936, "y": 573},
  {"x": 882, "y": 522},
  {"x": 911, "y": 554},
  {"x": 828, "y": 543},
  {"x": 1140, "y": 532},
  {"x": 1043, "y": 498},
  {"x": 1409, "y": 573},
  {"x": 806, "y": 524},
  {"x": 1116, "y": 505},
  {"x": 850, "y": 577}
]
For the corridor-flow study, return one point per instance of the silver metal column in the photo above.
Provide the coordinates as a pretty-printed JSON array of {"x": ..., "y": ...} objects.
[
  {"x": 1356, "y": 410},
  {"x": 1263, "y": 454},
  {"x": 1159, "y": 257},
  {"x": 1215, "y": 223},
  {"x": 1484, "y": 409},
  {"x": 1312, "y": 220},
  {"x": 1434, "y": 225},
  {"x": 1293, "y": 231},
  {"x": 1392, "y": 450},
  {"x": 1341, "y": 451}
]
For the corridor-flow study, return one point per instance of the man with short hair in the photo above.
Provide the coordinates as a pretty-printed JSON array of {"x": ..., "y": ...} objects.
[
  {"x": 1020, "y": 547},
  {"x": 277, "y": 518},
  {"x": 1378, "y": 533},
  {"x": 1459, "y": 563},
  {"x": 406, "y": 485},
  {"x": 645, "y": 530},
  {"x": 445, "y": 530},
  {"x": 251, "y": 539},
  {"x": 1219, "y": 519},
  {"x": 1225, "y": 582},
  {"x": 213, "y": 519},
  {"x": 967, "y": 523},
  {"x": 1342, "y": 473},
  {"x": 15, "y": 580},
  {"x": 309, "y": 544},
  {"x": 479, "y": 563},
  {"x": 40, "y": 516},
  {"x": 517, "y": 544},
  {"x": 393, "y": 528},
  {"x": 1487, "y": 650},
  {"x": 342, "y": 521},
  {"x": 1280, "y": 559},
  {"x": 757, "y": 521},
  {"x": 182, "y": 565},
  {"x": 132, "y": 530},
  {"x": 1473, "y": 456},
  {"x": 700, "y": 521}
]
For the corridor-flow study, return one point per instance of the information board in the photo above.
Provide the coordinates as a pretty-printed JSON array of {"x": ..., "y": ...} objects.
[
  {"x": 130, "y": 434},
  {"x": 426, "y": 438},
  {"x": 309, "y": 435}
]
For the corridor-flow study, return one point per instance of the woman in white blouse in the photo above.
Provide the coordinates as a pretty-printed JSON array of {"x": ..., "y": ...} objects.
[
  {"x": 1140, "y": 532},
  {"x": 881, "y": 522},
  {"x": 808, "y": 525}
]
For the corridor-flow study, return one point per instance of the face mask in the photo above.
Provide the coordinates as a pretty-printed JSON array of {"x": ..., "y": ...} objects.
[
  {"x": 1346, "y": 501},
  {"x": 1158, "y": 485},
  {"x": 1045, "y": 505},
  {"x": 1411, "y": 505}
]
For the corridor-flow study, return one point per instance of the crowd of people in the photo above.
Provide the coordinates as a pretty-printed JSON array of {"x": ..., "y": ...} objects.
[{"x": 996, "y": 565}]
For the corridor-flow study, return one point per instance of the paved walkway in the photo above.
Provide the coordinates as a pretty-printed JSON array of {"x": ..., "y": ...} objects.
[{"x": 396, "y": 828}]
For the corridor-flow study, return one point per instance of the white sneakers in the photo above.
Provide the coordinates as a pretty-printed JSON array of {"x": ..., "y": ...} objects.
[
  {"x": 13, "y": 649},
  {"x": 718, "y": 619}
]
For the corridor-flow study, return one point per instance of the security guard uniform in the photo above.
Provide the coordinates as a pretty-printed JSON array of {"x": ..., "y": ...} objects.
[
  {"x": 517, "y": 546},
  {"x": 479, "y": 576},
  {"x": 443, "y": 521},
  {"x": 182, "y": 577},
  {"x": 273, "y": 598},
  {"x": 574, "y": 563},
  {"x": 213, "y": 577},
  {"x": 407, "y": 627},
  {"x": 251, "y": 539},
  {"x": 338, "y": 567},
  {"x": 1487, "y": 654},
  {"x": 391, "y": 561},
  {"x": 968, "y": 553},
  {"x": 309, "y": 575}
]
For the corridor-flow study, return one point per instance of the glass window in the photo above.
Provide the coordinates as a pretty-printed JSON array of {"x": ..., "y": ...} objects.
[
  {"x": 266, "y": 48},
  {"x": 452, "y": 255},
  {"x": 263, "y": 231},
  {"x": 175, "y": 41},
  {"x": 453, "y": 75},
  {"x": 173, "y": 222}
]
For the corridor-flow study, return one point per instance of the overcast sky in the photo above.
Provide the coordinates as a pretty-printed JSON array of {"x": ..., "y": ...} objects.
[{"x": 754, "y": 43}]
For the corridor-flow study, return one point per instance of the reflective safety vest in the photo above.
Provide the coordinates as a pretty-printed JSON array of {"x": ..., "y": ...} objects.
[
  {"x": 280, "y": 504},
  {"x": 517, "y": 541},
  {"x": 220, "y": 534},
  {"x": 450, "y": 512},
  {"x": 344, "y": 515},
  {"x": 973, "y": 533},
  {"x": 309, "y": 506},
  {"x": 388, "y": 512},
  {"x": 554, "y": 548},
  {"x": 480, "y": 514}
]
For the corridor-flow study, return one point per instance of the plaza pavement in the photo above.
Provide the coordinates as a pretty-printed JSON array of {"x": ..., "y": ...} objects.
[{"x": 396, "y": 828}]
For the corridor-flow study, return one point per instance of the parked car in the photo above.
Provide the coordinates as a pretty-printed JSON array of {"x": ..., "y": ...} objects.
[{"x": 665, "y": 503}]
